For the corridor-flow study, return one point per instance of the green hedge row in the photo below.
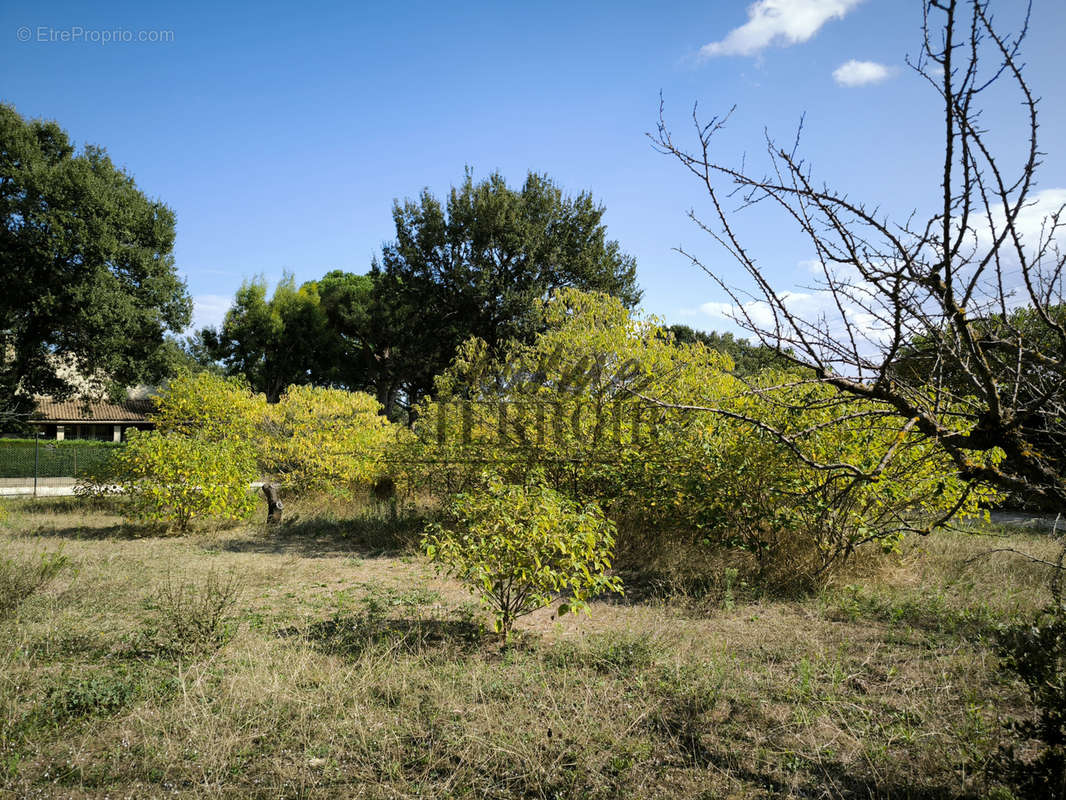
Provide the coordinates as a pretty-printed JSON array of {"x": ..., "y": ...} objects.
[{"x": 54, "y": 459}]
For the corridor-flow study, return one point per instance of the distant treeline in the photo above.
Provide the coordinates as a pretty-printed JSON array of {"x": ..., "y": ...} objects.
[{"x": 474, "y": 265}]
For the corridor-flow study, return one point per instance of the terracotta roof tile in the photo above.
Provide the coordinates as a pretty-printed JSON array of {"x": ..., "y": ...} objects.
[{"x": 93, "y": 411}]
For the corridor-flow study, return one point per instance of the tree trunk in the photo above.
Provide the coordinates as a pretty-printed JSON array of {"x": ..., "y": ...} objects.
[
  {"x": 386, "y": 391},
  {"x": 274, "y": 504}
]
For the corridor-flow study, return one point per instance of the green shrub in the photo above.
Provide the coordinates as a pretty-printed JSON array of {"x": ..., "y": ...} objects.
[
  {"x": 1035, "y": 651},
  {"x": 101, "y": 691},
  {"x": 521, "y": 547},
  {"x": 175, "y": 479},
  {"x": 21, "y": 577},
  {"x": 611, "y": 409},
  {"x": 88, "y": 695},
  {"x": 319, "y": 439}
]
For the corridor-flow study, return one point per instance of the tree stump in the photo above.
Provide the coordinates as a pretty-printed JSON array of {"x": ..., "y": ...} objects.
[{"x": 274, "y": 504}]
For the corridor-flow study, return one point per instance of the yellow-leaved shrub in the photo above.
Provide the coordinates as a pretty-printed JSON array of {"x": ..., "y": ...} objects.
[
  {"x": 176, "y": 479},
  {"x": 520, "y": 547},
  {"x": 318, "y": 439},
  {"x": 608, "y": 407}
]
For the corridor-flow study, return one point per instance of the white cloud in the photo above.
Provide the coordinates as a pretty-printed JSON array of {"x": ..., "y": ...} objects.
[
  {"x": 781, "y": 22},
  {"x": 1035, "y": 227},
  {"x": 817, "y": 307},
  {"x": 861, "y": 73},
  {"x": 1033, "y": 218},
  {"x": 208, "y": 310},
  {"x": 801, "y": 303}
]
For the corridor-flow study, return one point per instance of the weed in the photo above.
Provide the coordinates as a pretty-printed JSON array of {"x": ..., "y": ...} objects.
[
  {"x": 1035, "y": 651},
  {"x": 100, "y": 692},
  {"x": 194, "y": 618},
  {"x": 729, "y": 579},
  {"x": 20, "y": 577},
  {"x": 617, "y": 653},
  {"x": 687, "y": 692},
  {"x": 86, "y": 695}
]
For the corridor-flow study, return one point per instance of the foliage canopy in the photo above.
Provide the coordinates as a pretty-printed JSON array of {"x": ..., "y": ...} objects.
[{"x": 87, "y": 277}]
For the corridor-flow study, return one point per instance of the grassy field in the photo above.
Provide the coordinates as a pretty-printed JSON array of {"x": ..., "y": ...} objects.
[{"x": 324, "y": 658}]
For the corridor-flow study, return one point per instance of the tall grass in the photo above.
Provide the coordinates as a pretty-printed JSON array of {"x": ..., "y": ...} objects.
[{"x": 344, "y": 667}]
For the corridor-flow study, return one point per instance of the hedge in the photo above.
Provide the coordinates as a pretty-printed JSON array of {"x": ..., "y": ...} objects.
[{"x": 56, "y": 459}]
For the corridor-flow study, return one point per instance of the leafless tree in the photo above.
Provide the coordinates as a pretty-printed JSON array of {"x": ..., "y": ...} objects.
[{"x": 950, "y": 325}]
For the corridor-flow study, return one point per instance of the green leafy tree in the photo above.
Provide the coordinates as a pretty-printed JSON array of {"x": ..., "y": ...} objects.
[
  {"x": 312, "y": 439},
  {"x": 187, "y": 354},
  {"x": 348, "y": 301},
  {"x": 274, "y": 342},
  {"x": 521, "y": 546},
  {"x": 320, "y": 439},
  {"x": 87, "y": 276},
  {"x": 475, "y": 266},
  {"x": 213, "y": 407}
]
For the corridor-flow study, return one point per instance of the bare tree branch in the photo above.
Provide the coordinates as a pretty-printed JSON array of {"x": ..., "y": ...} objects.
[{"x": 955, "y": 326}]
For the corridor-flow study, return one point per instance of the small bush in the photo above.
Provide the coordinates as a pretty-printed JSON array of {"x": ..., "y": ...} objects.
[
  {"x": 21, "y": 577},
  {"x": 88, "y": 695},
  {"x": 174, "y": 479},
  {"x": 101, "y": 692},
  {"x": 1036, "y": 652},
  {"x": 191, "y": 618},
  {"x": 521, "y": 547}
]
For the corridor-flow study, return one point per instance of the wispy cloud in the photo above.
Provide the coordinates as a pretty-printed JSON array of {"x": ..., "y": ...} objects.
[
  {"x": 861, "y": 73},
  {"x": 868, "y": 313},
  {"x": 781, "y": 22},
  {"x": 208, "y": 310},
  {"x": 817, "y": 307}
]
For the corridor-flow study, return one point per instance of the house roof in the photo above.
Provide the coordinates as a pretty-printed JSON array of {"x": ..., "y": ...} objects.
[{"x": 80, "y": 411}]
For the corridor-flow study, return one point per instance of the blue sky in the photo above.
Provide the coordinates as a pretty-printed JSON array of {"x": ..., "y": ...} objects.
[{"x": 281, "y": 133}]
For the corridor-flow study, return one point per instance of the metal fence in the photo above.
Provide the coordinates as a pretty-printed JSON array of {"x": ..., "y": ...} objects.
[{"x": 28, "y": 466}]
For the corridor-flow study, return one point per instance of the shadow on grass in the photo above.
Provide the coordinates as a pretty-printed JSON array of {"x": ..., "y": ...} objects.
[
  {"x": 310, "y": 537},
  {"x": 67, "y": 504},
  {"x": 837, "y": 781},
  {"x": 926, "y": 613},
  {"x": 85, "y": 518},
  {"x": 352, "y": 635},
  {"x": 118, "y": 530},
  {"x": 326, "y": 536},
  {"x": 817, "y": 779},
  {"x": 840, "y": 781}
]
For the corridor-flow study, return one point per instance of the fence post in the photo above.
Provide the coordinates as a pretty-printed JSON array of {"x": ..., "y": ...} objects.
[
  {"x": 36, "y": 459},
  {"x": 75, "y": 461}
]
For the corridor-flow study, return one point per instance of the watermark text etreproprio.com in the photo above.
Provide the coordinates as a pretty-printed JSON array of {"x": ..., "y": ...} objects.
[{"x": 78, "y": 34}]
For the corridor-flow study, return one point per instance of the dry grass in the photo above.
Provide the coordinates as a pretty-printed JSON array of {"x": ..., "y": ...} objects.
[{"x": 346, "y": 668}]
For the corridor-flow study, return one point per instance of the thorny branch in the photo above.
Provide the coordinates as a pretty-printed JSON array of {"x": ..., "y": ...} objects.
[{"x": 955, "y": 325}]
